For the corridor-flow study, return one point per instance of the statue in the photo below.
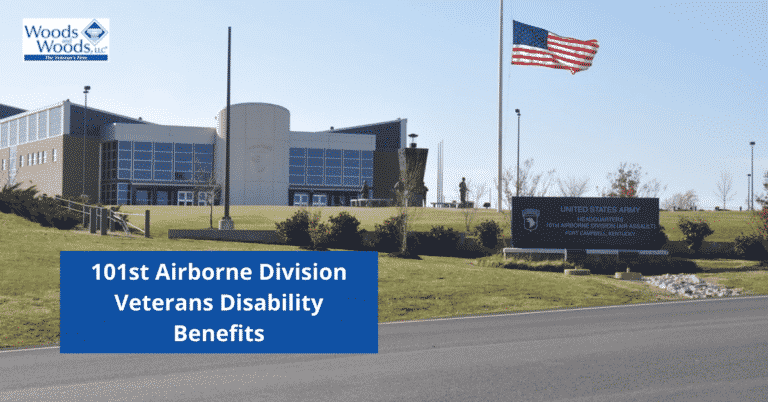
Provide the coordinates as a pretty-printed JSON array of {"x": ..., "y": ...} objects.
[{"x": 463, "y": 192}]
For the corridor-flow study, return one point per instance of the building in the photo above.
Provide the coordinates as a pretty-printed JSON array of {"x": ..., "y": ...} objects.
[{"x": 124, "y": 160}]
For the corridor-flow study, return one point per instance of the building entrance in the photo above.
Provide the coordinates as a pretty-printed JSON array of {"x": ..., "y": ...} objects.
[{"x": 185, "y": 198}]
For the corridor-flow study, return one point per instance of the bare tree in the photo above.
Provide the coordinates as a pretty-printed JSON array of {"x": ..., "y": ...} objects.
[
  {"x": 528, "y": 183},
  {"x": 724, "y": 187},
  {"x": 409, "y": 184},
  {"x": 476, "y": 193},
  {"x": 687, "y": 201},
  {"x": 206, "y": 188},
  {"x": 573, "y": 187}
]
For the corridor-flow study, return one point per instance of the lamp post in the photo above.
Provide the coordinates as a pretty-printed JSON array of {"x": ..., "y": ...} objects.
[
  {"x": 752, "y": 179},
  {"x": 749, "y": 186},
  {"x": 413, "y": 138},
  {"x": 226, "y": 222},
  {"x": 517, "y": 177},
  {"x": 85, "y": 131}
]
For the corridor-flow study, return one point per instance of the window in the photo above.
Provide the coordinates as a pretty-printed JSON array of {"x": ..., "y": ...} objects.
[
  {"x": 143, "y": 165},
  {"x": 54, "y": 155},
  {"x": 124, "y": 145},
  {"x": 203, "y": 148},
  {"x": 351, "y": 154},
  {"x": 163, "y": 166},
  {"x": 163, "y": 147},
  {"x": 183, "y": 157},
  {"x": 34, "y": 158},
  {"x": 333, "y": 153},
  {"x": 125, "y": 164},
  {"x": 351, "y": 163},
  {"x": 315, "y": 161},
  {"x": 297, "y": 152},
  {"x": 160, "y": 175},
  {"x": 367, "y": 155},
  {"x": 296, "y": 171},
  {"x": 3, "y": 164},
  {"x": 142, "y": 155},
  {"x": 142, "y": 146},
  {"x": 29, "y": 160},
  {"x": 162, "y": 156},
  {"x": 45, "y": 156},
  {"x": 183, "y": 147},
  {"x": 296, "y": 161},
  {"x": 316, "y": 171},
  {"x": 367, "y": 163},
  {"x": 333, "y": 162},
  {"x": 296, "y": 179},
  {"x": 21, "y": 161},
  {"x": 315, "y": 153}
]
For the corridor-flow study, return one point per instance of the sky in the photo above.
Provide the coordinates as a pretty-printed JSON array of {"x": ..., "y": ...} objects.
[{"x": 678, "y": 89}]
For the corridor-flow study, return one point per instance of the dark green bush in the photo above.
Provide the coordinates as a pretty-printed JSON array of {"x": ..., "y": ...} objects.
[
  {"x": 694, "y": 232},
  {"x": 295, "y": 230},
  {"x": 488, "y": 233},
  {"x": 750, "y": 247},
  {"x": 441, "y": 241},
  {"x": 345, "y": 231},
  {"x": 389, "y": 235}
]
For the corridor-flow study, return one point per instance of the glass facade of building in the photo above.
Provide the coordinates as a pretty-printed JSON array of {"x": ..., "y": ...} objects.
[
  {"x": 154, "y": 164},
  {"x": 343, "y": 169}
]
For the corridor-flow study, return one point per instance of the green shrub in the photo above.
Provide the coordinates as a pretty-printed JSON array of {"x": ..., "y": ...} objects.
[
  {"x": 295, "y": 230},
  {"x": 750, "y": 247},
  {"x": 441, "y": 241},
  {"x": 694, "y": 232},
  {"x": 345, "y": 231},
  {"x": 389, "y": 235},
  {"x": 488, "y": 233},
  {"x": 319, "y": 233}
]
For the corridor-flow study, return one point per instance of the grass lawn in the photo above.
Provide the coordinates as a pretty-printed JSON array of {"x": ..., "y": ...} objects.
[{"x": 408, "y": 289}]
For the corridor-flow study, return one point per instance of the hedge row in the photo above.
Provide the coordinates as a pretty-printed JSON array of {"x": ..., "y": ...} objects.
[{"x": 342, "y": 231}]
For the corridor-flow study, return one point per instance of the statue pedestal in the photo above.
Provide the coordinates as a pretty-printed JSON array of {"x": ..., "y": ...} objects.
[{"x": 226, "y": 223}]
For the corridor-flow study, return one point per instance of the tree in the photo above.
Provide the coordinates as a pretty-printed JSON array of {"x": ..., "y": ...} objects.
[
  {"x": 573, "y": 187},
  {"x": 206, "y": 187},
  {"x": 625, "y": 184},
  {"x": 724, "y": 187},
  {"x": 476, "y": 192},
  {"x": 687, "y": 201},
  {"x": 410, "y": 182},
  {"x": 526, "y": 190}
]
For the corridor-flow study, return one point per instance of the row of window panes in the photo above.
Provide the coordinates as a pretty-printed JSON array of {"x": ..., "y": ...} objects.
[
  {"x": 166, "y": 147},
  {"x": 32, "y": 159},
  {"x": 40, "y": 126},
  {"x": 330, "y": 153},
  {"x": 329, "y": 180},
  {"x": 354, "y": 163},
  {"x": 329, "y": 171}
]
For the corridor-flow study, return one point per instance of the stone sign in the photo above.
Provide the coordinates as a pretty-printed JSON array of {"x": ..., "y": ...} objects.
[{"x": 585, "y": 223}]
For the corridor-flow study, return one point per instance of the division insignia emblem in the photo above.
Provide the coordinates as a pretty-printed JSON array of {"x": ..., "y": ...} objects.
[{"x": 531, "y": 219}]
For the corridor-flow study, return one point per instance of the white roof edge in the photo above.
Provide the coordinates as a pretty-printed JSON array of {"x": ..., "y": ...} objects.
[{"x": 33, "y": 111}]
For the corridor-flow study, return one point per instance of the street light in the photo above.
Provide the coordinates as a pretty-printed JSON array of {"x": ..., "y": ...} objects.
[
  {"x": 518, "y": 152},
  {"x": 749, "y": 185},
  {"x": 85, "y": 127},
  {"x": 413, "y": 138},
  {"x": 752, "y": 180}
]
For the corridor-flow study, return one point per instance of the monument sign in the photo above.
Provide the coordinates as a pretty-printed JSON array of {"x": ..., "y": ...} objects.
[{"x": 585, "y": 223}]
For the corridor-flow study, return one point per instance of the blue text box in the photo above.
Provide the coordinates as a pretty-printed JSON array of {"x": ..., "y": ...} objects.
[{"x": 329, "y": 305}]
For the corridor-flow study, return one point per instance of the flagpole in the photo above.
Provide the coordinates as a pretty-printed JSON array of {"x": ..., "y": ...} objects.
[{"x": 501, "y": 55}]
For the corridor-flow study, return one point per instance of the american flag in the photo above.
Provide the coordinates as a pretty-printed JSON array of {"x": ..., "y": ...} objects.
[{"x": 534, "y": 46}]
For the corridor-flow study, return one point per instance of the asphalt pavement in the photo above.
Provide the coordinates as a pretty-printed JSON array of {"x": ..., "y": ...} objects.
[{"x": 699, "y": 350}]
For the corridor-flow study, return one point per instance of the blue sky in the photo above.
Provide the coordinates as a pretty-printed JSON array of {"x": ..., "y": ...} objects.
[{"x": 677, "y": 88}]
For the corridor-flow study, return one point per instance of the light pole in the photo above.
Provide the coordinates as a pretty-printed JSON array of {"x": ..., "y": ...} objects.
[
  {"x": 85, "y": 130},
  {"x": 517, "y": 177},
  {"x": 749, "y": 186},
  {"x": 752, "y": 180},
  {"x": 226, "y": 222},
  {"x": 501, "y": 56}
]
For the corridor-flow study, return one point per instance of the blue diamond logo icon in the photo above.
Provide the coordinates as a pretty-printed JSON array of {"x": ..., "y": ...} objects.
[{"x": 94, "y": 32}]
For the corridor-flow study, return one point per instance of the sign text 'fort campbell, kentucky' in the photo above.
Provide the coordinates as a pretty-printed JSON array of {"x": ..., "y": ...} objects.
[{"x": 585, "y": 223}]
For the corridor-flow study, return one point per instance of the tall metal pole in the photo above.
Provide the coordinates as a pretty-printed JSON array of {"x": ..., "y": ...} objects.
[
  {"x": 226, "y": 180},
  {"x": 518, "y": 152},
  {"x": 752, "y": 180},
  {"x": 501, "y": 55},
  {"x": 749, "y": 188},
  {"x": 85, "y": 130}
]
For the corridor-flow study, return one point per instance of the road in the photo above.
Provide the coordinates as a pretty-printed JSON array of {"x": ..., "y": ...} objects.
[{"x": 702, "y": 350}]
